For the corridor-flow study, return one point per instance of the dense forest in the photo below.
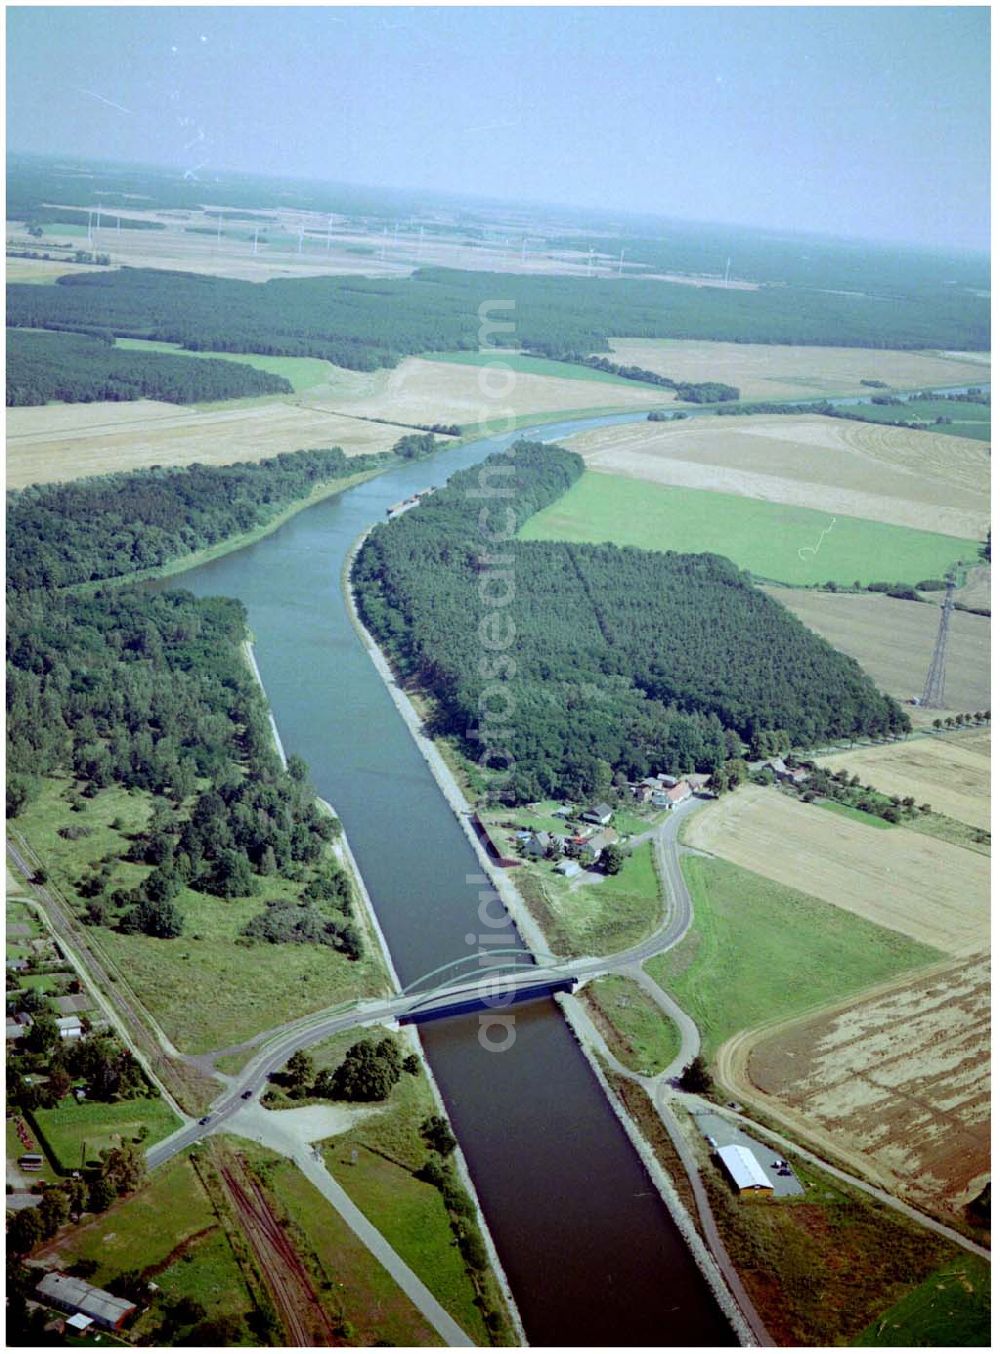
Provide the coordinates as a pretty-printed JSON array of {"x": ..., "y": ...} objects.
[
  {"x": 150, "y": 691},
  {"x": 365, "y": 323},
  {"x": 78, "y": 369},
  {"x": 624, "y": 660},
  {"x": 110, "y": 526}
]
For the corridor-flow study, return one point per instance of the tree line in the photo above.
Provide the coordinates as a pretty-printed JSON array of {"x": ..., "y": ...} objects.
[
  {"x": 365, "y": 323},
  {"x": 109, "y": 526},
  {"x": 78, "y": 369},
  {"x": 625, "y": 661}
]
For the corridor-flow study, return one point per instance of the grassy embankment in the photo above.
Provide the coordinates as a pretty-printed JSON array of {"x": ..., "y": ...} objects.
[
  {"x": 375, "y": 1162},
  {"x": 641, "y": 1036},
  {"x": 594, "y": 918},
  {"x": 207, "y": 988},
  {"x": 758, "y": 951},
  {"x": 773, "y": 541}
]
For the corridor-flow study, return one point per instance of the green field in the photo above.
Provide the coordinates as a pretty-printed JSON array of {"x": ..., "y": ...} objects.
[
  {"x": 964, "y": 420},
  {"x": 77, "y": 1133},
  {"x": 774, "y": 542},
  {"x": 302, "y": 372},
  {"x": 206, "y": 990},
  {"x": 541, "y": 366},
  {"x": 645, "y": 1039},
  {"x": 758, "y": 951},
  {"x": 951, "y": 1309},
  {"x": 594, "y": 918}
]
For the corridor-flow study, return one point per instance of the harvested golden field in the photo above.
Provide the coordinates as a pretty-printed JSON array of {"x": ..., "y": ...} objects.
[
  {"x": 926, "y": 888},
  {"x": 951, "y": 773},
  {"x": 423, "y": 391},
  {"x": 44, "y": 270},
  {"x": 898, "y": 1081},
  {"x": 68, "y": 441},
  {"x": 893, "y": 641},
  {"x": 874, "y": 471},
  {"x": 765, "y": 371}
]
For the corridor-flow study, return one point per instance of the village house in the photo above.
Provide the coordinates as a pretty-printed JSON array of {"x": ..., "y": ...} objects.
[
  {"x": 677, "y": 794},
  {"x": 537, "y": 845},
  {"x": 598, "y": 813},
  {"x": 698, "y": 780},
  {"x": 569, "y": 869},
  {"x": 784, "y": 772},
  {"x": 594, "y": 847}
]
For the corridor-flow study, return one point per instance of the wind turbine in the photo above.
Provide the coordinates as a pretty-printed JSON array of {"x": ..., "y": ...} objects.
[
  {"x": 621, "y": 262},
  {"x": 329, "y": 231}
]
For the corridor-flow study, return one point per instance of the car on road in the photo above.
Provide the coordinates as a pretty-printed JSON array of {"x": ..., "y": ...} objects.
[
  {"x": 246, "y": 1095},
  {"x": 205, "y": 1120}
]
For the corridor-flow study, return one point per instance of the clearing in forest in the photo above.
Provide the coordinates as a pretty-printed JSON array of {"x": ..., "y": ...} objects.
[
  {"x": 771, "y": 540},
  {"x": 925, "y": 480},
  {"x": 928, "y": 889},
  {"x": 778, "y": 371},
  {"x": 893, "y": 640},
  {"x": 951, "y": 773},
  {"x": 899, "y": 1079}
]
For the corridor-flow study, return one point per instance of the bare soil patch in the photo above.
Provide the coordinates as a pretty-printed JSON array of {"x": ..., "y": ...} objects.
[
  {"x": 778, "y": 371},
  {"x": 900, "y": 1078},
  {"x": 952, "y": 774},
  {"x": 874, "y": 471},
  {"x": 925, "y": 888},
  {"x": 894, "y": 640}
]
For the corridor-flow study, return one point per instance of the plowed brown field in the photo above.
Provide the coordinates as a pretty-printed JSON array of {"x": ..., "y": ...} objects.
[{"x": 898, "y": 1082}]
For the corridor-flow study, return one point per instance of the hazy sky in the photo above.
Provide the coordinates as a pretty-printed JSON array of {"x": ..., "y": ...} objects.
[{"x": 852, "y": 121}]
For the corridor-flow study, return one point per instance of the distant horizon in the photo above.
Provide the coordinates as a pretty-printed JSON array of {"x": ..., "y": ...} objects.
[
  {"x": 848, "y": 122},
  {"x": 444, "y": 194}
]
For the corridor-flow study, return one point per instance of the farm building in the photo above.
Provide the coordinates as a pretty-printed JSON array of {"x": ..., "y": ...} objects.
[
  {"x": 568, "y": 868},
  {"x": 677, "y": 794},
  {"x": 784, "y": 772},
  {"x": 76, "y": 1296},
  {"x": 599, "y": 814},
  {"x": 745, "y": 1172}
]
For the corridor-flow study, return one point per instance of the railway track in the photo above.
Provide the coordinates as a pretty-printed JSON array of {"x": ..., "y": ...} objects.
[{"x": 305, "y": 1320}]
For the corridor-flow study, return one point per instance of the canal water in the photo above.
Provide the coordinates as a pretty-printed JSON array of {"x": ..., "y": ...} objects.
[{"x": 592, "y": 1254}]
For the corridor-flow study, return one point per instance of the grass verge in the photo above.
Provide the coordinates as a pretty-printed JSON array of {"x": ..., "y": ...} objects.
[
  {"x": 638, "y": 1033},
  {"x": 758, "y": 951}
]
